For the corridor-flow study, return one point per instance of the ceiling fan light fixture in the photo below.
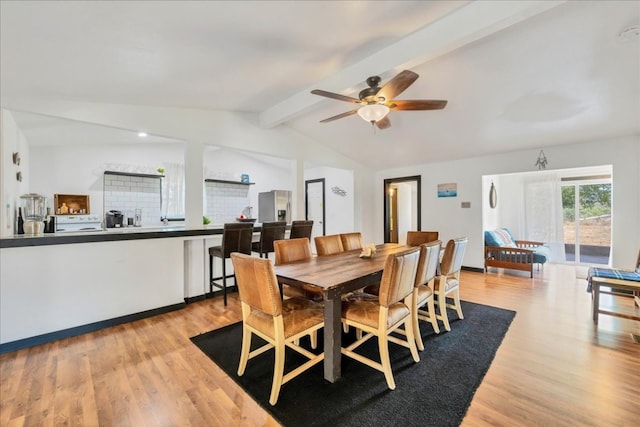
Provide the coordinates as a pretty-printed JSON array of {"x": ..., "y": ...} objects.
[{"x": 373, "y": 112}]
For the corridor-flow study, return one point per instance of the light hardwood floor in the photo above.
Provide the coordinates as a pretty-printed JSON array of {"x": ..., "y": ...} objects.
[{"x": 554, "y": 367}]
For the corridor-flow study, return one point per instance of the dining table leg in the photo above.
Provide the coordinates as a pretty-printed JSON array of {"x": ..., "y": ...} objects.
[
  {"x": 332, "y": 336},
  {"x": 595, "y": 290}
]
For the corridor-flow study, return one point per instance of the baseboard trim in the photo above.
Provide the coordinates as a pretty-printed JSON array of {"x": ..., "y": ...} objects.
[
  {"x": 208, "y": 295},
  {"x": 475, "y": 269},
  {"x": 91, "y": 327}
]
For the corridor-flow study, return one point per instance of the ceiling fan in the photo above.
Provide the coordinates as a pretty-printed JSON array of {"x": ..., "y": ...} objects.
[{"x": 376, "y": 102}]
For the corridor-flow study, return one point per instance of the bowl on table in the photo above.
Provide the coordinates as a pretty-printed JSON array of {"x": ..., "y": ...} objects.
[{"x": 246, "y": 219}]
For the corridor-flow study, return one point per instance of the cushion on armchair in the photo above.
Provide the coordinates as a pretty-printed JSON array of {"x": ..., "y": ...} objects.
[{"x": 501, "y": 238}]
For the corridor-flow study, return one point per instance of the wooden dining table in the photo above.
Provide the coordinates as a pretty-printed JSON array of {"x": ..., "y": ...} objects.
[{"x": 335, "y": 275}]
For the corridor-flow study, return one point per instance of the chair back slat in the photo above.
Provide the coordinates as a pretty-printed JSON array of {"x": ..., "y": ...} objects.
[
  {"x": 398, "y": 276},
  {"x": 236, "y": 237},
  {"x": 257, "y": 283}
]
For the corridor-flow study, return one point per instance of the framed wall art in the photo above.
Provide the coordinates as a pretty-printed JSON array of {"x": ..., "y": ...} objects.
[{"x": 448, "y": 190}]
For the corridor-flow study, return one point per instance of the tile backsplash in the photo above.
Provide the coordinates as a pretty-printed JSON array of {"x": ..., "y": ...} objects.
[
  {"x": 225, "y": 201},
  {"x": 128, "y": 192}
]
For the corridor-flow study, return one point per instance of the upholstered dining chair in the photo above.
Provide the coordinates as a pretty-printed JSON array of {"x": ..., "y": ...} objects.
[
  {"x": 292, "y": 250},
  {"x": 327, "y": 245},
  {"x": 447, "y": 284},
  {"x": 416, "y": 238},
  {"x": 280, "y": 323},
  {"x": 270, "y": 232},
  {"x": 379, "y": 316},
  {"x": 351, "y": 241},
  {"x": 422, "y": 306},
  {"x": 423, "y": 296},
  {"x": 236, "y": 237},
  {"x": 300, "y": 229}
]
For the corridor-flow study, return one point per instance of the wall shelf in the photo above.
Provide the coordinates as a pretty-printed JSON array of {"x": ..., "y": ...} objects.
[
  {"x": 222, "y": 181},
  {"x": 142, "y": 175}
]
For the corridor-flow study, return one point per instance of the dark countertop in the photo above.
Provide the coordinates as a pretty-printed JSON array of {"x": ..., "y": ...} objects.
[{"x": 108, "y": 236}]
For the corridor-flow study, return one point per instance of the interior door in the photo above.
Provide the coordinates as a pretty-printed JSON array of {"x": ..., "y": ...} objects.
[
  {"x": 393, "y": 214},
  {"x": 409, "y": 208},
  {"x": 315, "y": 206}
]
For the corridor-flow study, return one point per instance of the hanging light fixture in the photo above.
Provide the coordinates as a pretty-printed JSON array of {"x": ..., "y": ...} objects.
[{"x": 373, "y": 112}]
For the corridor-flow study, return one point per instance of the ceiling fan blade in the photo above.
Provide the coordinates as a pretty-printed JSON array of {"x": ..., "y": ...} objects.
[
  {"x": 417, "y": 104},
  {"x": 383, "y": 123},
  {"x": 335, "y": 96},
  {"x": 397, "y": 85},
  {"x": 339, "y": 116}
]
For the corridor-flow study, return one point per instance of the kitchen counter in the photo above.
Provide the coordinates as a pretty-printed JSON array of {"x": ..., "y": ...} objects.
[
  {"x": 59, "y": 285},
  {"x": 112, "y": 234}
]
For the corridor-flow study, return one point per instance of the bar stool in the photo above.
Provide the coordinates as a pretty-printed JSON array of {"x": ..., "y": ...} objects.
[
  {"x": 236, "y": 237},
  {"x": 270, "y": 231},
  {"x": 301, "y": 229}
]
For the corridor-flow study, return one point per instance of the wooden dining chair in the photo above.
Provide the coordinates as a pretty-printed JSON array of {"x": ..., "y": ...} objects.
[
  {"x": 416, "y": 238},
  {"x": 327, "y": 245},
  {"x": 280, "y": 323},
  {"x": 447, "y": 284},
  {"x": 422, "y": 306},
  {"x": 292, "y": 250},
  {"x": 423, "y": 295},
  {"x": 379, "y": 316},
  {"x": 351, "y": 241}
]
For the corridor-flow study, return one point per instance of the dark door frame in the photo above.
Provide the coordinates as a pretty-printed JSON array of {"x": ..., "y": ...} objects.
[
  {"x": 306, "y": 203},
  {"x": 387, "y": 220}
]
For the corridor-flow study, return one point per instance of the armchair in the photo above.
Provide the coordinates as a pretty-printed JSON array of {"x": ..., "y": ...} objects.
[{"x": 501, "y": 250}]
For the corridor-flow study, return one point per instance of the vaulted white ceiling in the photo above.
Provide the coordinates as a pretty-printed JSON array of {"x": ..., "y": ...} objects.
[{"x": 517, "y": 75}]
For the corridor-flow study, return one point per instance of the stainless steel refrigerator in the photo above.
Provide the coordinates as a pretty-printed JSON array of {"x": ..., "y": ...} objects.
[{"x": 274, "y": 205}]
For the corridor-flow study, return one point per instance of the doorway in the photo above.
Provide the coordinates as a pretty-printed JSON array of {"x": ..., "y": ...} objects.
[
  {"x": 402, "y": 207},
  {"x": 314, "y": 209},
  {"x": 586, "y": 206}
]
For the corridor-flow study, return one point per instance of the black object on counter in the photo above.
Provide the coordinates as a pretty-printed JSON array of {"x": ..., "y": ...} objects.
[
  {"x": 50, "y": 224},
  {"x": 114, "y": 219},
  {"x": 20, "y": 222}
]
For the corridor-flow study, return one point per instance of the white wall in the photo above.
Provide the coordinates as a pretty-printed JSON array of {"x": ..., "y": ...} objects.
[
  {"x": 79, "y": 169},
  {"x": 446, "y": 216},
  {"x": 75, "y": 169},
  {"x": 267, "y": 174},
  {"x": 490, "y": 216},
  {"x": 11, "y": 141},
  {"x": 235, "y": 131},
  {"x": 339, "y": 210}
]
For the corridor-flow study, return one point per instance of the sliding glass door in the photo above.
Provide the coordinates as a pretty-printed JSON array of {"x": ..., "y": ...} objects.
[{"x": 586, "y": 205}]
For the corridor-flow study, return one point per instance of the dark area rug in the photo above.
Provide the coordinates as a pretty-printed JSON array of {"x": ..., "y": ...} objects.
[{"x": 434, "y": 392}]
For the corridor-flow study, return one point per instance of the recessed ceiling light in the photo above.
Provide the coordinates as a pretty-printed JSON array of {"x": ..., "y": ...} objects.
[
  {"x": 142, "y": 134},
  {"x": 629, "y": 34}
]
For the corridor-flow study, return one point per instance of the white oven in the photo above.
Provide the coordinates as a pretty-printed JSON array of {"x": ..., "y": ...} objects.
[{"x": 78, "y": 223}]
